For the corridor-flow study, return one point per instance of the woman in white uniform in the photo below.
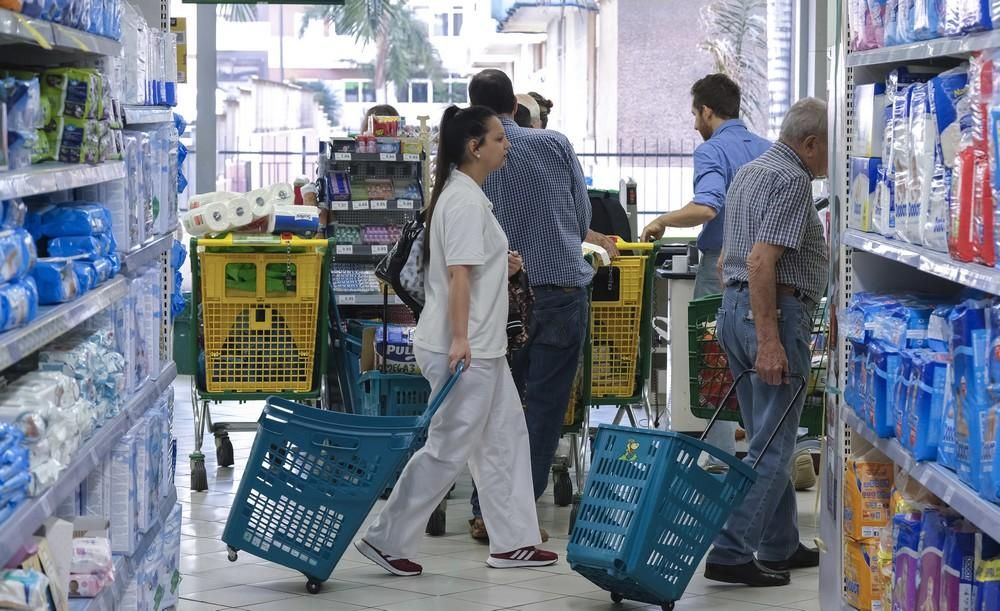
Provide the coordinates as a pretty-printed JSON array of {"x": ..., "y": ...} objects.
[{"x": 464, "y": 320}]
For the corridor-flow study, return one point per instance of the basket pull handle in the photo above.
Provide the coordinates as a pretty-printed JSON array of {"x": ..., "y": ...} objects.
[
  {"x": 438, "y": 399},
  {"x": 342, "y": 443},
  {"x": 784, "y": 416}
]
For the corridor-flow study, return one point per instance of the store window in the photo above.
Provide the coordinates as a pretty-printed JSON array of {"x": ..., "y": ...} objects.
[
  {"x": 452, "y": 91},
  {"x": 450, "y": 23},
  {"x": 780, "y": 67},
  {"x": 417, "y": 92},
  {"x": 359, "y": 91},
  {"x": 441, "y": 22}
]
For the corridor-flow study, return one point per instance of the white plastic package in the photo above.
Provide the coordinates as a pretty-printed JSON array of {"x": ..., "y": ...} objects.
[
  {"x": 23, "y": 590},
  {"x": 91, "y": 555}
]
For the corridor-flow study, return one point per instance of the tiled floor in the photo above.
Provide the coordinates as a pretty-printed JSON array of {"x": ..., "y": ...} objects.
[{"x": 455, "y": 575}]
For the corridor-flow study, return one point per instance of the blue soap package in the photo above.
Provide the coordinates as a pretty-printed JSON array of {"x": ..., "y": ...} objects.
[
  {"x": 17, "y": 254},
  {"x": 901, "y": 395},
  {"x": 883, "y": 367},
  {"x": 56, "y": 279},
  {"x": 927, "y": 405},
  {"x": 969, "y": 348},
  {"x": 86, "y": 276},
  {"x": 12, "y": 213},
  {"x": 76, "y": 219},
  {"x": 966, "y": 16}
]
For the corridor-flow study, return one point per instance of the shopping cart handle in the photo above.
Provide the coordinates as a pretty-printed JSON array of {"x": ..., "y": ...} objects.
[
  {"x": 438, "y": 399},
  {"x": 263, "y": 240},
  {"x": 623, "y": 245}
]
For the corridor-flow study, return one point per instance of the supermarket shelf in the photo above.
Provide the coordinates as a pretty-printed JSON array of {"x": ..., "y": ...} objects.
[
  {"x": 940, "y": 481},
  {"x": 365, "y": 299},
  {"x": 361, "y": 250},
  {"x": 54, "y": 176},
  {"x": 401, "y": 205},
  {"x": 54, "y": 321},
  {"x": 34, "y": 512},
  {"x": 936, "y": 263},
  {"x": 928, "y": 49},
  {"x": 146, "y": 115},
  {"x": 18, "y": 29},
  {"x": 126, "y": 567},
  {"x": 137, "y": 259},
  {"x": 390, "y": 157}
]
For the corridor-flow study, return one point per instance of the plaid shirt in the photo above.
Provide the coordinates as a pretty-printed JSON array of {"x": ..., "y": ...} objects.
[
  {"x": 770, "y": 201},
  {"x": 541, "y": 201}
]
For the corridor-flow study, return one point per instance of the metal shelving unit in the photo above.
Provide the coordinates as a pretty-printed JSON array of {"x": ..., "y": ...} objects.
[
  {"x": 34, "y": 512},
  {"x": 18, "y": 29},
  {"x": 870, "y": 262},
  {"x": 55, "y": 176},
  {"x": 403, "y": 205},
  {"x": 147, "y": 115},
  {"x": 148, "y": 253}
]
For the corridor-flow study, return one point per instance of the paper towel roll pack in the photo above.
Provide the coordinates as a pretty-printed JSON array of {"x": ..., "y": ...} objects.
[{"x": 209, "y": 218}]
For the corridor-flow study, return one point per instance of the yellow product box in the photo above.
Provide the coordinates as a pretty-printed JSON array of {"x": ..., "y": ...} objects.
[
  {"x": 862, "y": 576},
  {"x": 411, "y": 146},
  {"x": 868, "y": 481}
]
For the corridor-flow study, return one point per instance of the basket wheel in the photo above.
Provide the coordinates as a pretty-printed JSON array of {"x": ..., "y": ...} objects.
[
  {"x": 232, "y": 554},
  {"x": 224, "y": 450},
  {"x": 562, "y": 490},
  {"x": 667, "y": 606},
  {"x": 313, "y": 586},
  {"x": 617, "y": 598}
]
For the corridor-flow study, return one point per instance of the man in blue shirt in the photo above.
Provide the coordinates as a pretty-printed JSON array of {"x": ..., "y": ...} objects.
[
  {"x": 540, "y": 199},
  {"x": 728, "y": 146}
]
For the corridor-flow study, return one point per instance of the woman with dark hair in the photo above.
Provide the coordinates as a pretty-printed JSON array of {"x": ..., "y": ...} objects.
[{"x": 480, "y": 422}]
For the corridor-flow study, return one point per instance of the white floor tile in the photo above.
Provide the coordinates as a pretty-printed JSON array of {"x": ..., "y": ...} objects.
[
  {"x": 302, "y": 603},
  {"x": 199, "y": 546},
  {"x": 297, "y": 585},
  {"x": 371, "y": 596},
  {"x": 567, "y": 585},
  {"x": 239, "y": 596},
  {"x": 499, "y": 577},
  {"x": 765, "y": 596},
  {"x": 434, "y": 585},
  {"x": 505, "y": 596},
  {"x": 193, "y": 605},
  {"x": 437, "y": 604}
]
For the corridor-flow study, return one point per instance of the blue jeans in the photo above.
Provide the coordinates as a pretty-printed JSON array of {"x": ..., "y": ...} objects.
[
  {"x": 766, "y": 523},
  {"x": 544, "y": 371}
]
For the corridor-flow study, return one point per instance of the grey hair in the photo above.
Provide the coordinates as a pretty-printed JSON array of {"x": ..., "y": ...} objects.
[{"x": 807, "y": 117}]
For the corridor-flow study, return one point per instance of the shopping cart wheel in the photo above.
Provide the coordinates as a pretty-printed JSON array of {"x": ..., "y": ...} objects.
[
  {"x": 224, "y": 450},
  {"x": 617, "y": 598},
  {"x": 667, "y": 606},
  {"x": 232, "y": 553},
  {"x": 562, "y": 490},
  {"x": 199, "y": 477},
  {"x": 436, "y": 526},
  {"x": 313, "y": 586}
]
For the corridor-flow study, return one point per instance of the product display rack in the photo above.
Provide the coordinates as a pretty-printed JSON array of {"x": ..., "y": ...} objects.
[
  {"x": 55, "y": 176},
  {"x": 870, "y": 262},
  {"x": 39, "y": 43}
]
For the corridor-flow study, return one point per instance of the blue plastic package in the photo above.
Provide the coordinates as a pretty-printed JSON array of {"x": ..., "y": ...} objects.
[
  {"x": 929, "y": 397},
  {"x": 13, "y": 214},
  {"x": 86, "y": 276},
  {"x": 970, "y": 347},
  {"x": 901, "y": 392},
  {"x": 18, "y": 303},
  {"x": 926, "y": 17},
  {"x": 855, "y": 392},
  {"x": 75, "y": 220},
  {"x": 103, "y": 268},
  {"x": 966, "y": 16},
  {"x": 91, "y": 247},
  {"x": 933, "y": 532},
  {"x": 883, "y": 367},
  {"x": 891, "y": 22},
  {"x": 116, "y": 263},
  {"x": 17, "y": 254},
  {"x": 56, "y": 280},
  {"x": 906, "y": 530}
]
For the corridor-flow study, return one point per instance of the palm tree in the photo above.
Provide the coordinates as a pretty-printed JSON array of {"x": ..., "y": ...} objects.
[
  {"x": 736, "y": 38},
  {"x": 402, "y": 44},
  {"x": 237, "y": 13}
]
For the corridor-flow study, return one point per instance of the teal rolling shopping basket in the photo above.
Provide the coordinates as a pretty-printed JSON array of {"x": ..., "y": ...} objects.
[
  {"x": 393, "y": 394},
  {"x": 312, "y": 478},
  {"x": 649, "y": 512}
]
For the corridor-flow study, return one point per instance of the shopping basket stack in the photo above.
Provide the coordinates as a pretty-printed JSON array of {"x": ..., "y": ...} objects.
[{"x": 312, "y": 478}]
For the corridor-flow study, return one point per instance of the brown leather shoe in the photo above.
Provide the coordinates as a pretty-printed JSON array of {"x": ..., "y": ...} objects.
[{"x": 477, "y": 530}]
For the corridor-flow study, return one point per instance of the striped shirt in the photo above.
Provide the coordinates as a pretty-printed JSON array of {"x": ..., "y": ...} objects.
[
  {"x": 540, "y": 198},
  {"x": 770, "y": 201}
]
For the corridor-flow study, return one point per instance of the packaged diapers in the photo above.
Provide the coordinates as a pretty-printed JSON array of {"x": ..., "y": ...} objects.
[
  {"x": 933, "y": 532},
  {"x": 883, "y": 367},
  {"x": 906, "y": 530},
  {"x": 958, "y": 572},
  {"x": 57, "y": 280},
  {"x": 868, "y": 481},
  {"x": 862, "y": 577},
  {"x": 949, "y": 104},
  {"x": 926, "y": 405},
  {"x": 970, "y": 347}
]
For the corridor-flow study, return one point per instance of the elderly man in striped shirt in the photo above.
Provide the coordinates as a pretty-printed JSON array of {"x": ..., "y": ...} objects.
[{"x": 774, "y": 268}]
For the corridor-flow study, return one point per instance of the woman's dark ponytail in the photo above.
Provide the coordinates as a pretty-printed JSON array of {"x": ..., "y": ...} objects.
[{"x": 457, "y": 128}]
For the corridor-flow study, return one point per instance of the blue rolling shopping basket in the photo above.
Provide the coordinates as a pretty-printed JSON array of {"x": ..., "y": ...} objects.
[
  {"x": 312, "y": 478},
  {"x": 649, "y": 513}
]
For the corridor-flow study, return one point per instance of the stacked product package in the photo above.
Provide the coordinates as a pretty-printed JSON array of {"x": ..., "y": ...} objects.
[
  {"x": 79, "y": 248},
  {"x": 267, "y": 210},
  {"x": 83, "y": 120},
  {"x": 20, "y": 94},
  {"x": 24, "y": 589},
  {"x": 885, "y": 23},
  {"x": 150, "y": 61},
  {"x": 101, "y": 17},
  {"x": 15, "y": 475}
]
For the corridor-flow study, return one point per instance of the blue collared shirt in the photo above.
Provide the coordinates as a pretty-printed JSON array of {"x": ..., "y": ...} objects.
[
  {"x": 541, "y": 200},
  {"x": 716, "y": 162}
]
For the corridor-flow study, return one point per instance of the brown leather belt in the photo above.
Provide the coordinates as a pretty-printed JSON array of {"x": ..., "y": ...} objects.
[{"x": 782, "y": 289}]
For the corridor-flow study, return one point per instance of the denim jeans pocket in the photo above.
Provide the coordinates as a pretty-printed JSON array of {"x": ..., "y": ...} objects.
[{"x": 558, "y": 327}]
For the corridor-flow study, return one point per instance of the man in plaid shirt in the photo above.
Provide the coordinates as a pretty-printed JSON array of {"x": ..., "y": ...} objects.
[
  {"x": 774, "y": 267},
  {"x": 540, "y": 199}
]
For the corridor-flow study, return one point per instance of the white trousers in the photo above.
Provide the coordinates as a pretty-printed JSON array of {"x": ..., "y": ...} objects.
[{"x": 481, "y": 424}]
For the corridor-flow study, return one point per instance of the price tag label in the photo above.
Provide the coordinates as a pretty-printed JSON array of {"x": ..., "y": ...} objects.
[
  {"x": 380, "y": 249},
  {"x": 404, "y": 204},
  {"x": 361, "y": 204},
  {"x": 379, "y": 204},
  {"x": 345, "y": 249},
  {"x": 347, "y": 299},
  {"x": 340, "y": 206},
  {"x": 411, "y": 157},
  {"x": 341, "y": 156},
  {"x": 387, "y": 156}
]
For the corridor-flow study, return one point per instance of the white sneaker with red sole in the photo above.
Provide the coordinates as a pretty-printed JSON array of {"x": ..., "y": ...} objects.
[
  {"x": 524, "y": 557},
  {"x": 396, "y": 566}
]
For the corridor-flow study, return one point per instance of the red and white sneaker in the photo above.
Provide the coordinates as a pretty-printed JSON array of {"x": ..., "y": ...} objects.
[
  {"x": 396, "y": 566},
  {"x": 524, "y": 557}
]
